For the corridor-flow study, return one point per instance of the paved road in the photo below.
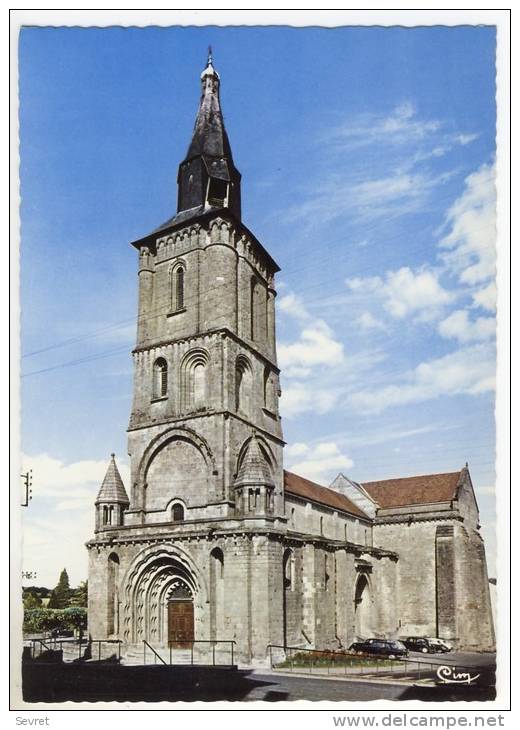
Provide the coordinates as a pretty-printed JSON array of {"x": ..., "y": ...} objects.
[
  {"x": 277, "y": 688},
  {"x": 282, "y": 688},
  {"x": 456, "y": 658}
]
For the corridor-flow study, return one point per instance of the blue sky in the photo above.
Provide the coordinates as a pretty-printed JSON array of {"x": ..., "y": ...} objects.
[{"x": 367, "y": 157}]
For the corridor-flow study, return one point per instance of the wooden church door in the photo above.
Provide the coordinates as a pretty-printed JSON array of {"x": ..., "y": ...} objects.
[{"x": 180, "y": 624}]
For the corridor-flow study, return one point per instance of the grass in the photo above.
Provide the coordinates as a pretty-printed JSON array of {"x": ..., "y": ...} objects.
[{"x": 332, "y": 659}]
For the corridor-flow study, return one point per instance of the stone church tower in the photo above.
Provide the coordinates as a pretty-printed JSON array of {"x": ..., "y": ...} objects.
[
  {"x": 205, "y": 438},
  {"x": 213, "y": 540}
]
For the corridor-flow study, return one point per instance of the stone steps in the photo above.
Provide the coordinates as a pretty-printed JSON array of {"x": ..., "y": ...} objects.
[{"x": 135, "y": 655}]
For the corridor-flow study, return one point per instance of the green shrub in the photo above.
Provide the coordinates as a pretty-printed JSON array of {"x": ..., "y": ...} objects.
[{"x": 36, "y": 620}]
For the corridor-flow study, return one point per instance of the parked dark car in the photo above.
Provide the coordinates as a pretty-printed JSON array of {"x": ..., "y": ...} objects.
[
  {"x": 426, "y": 645},
  {"x": 380, "y": 647}
]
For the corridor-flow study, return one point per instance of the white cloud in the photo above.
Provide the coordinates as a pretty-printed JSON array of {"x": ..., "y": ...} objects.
[
  {"x": 404, "y": 292},
  {"x": 393, "y": 194},
  {"x": 69, "y": 484},
  {"x": 316, "y": 350},
  {"x": 322, "y": 462},
  {"x": 366, "y": 321},
  {"x": 51, "y": 544},
  {"x": 409, "y": 291},
  {"x": 400, "y": 126},
  {"x": 459, "y": 326},
  {"x": 292, "y": 304},
  {"x": 378, "y": 167},
  {"x": 316, "y": 345},
  {"x": 467, "y": 371},
  {"x": 296, "y": 449},
  {"x": 472, "y": 229},
  {"x": 465, "y": 139},
  {"x": 486, "y": 297},
  {"x": 298, "y": 398},
  {"x": 67, "y": 493}
]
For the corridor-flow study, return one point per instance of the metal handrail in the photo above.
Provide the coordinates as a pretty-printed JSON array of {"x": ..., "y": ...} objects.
[
  {"x": 42, "y": 643},
  {"x": 191, "y": 643},
  {"x": 156, "y": 655},
  {"x": 103, "y": 641},
  {"x": 56, "y": 642}
]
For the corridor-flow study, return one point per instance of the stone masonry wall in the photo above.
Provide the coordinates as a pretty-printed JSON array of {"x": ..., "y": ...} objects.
[{"x": 415, "y": 575}]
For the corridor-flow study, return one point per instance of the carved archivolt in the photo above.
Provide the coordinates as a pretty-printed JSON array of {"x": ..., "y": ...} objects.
[{"x": 156, "y": 575}]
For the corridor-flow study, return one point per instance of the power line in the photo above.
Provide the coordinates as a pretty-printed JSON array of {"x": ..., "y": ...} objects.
[
  {"x": 79, "y": 361},
  {"x": 160, "y": 312}
]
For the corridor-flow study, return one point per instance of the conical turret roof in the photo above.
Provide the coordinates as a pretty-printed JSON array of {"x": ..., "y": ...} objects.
[
  {"x": 254, "y": 469},
  {"x": 112, "y": 488}
]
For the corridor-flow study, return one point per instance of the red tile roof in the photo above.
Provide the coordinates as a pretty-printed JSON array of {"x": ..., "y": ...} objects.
[
  {"x": 301, "y": 487},
  {"x": 425, "y": 489}
]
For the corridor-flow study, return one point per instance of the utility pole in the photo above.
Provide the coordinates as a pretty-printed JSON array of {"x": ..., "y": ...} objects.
[{"x": 27, "y": 481}]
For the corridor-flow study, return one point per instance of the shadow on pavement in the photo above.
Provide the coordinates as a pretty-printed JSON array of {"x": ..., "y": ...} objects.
[
  {"x": 48, "y": 679},
  {"x": 109, "y": 682}
]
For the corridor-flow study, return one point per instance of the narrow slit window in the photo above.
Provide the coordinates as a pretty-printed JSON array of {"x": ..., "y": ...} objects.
[
  {"x": 179, "y": 288},
  {"x": 160, "y": 389}
]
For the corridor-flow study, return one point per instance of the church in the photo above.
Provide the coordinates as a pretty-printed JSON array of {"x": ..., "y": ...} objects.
[{"x": 212, "y": 539}]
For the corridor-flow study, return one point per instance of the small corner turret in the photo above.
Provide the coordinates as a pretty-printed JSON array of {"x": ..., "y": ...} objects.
[
  {"x": 254, "y": 484},
  {"x": 112, "y": 500}
]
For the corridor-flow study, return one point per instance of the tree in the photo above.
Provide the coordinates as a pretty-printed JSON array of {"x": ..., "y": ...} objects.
[
  {"x": 79, "y": 596},
  {"x": 31, "y": 600},
  {"x": 60, "y": 596}
]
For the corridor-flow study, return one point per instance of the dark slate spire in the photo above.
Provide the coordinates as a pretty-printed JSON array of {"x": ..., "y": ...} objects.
[
  {"x": 113, "y": 490},
  {"x": 207, "y": 177}
]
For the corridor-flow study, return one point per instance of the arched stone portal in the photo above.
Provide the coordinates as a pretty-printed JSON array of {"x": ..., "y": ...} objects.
[
  {"x": 363, "y": 608},
  {"x": 164, "y": 600}
]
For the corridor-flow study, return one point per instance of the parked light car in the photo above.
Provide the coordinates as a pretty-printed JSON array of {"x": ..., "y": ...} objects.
[
  {"x": 426, "y": 644},
  {"x": 440, "y": 645},
  {"x": 380, "y": 647}
]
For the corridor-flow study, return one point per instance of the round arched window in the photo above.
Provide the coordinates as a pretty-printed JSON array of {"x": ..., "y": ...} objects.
[
  {"x": 160, "y": 378},
  {"x": 177, "y": 513}
]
